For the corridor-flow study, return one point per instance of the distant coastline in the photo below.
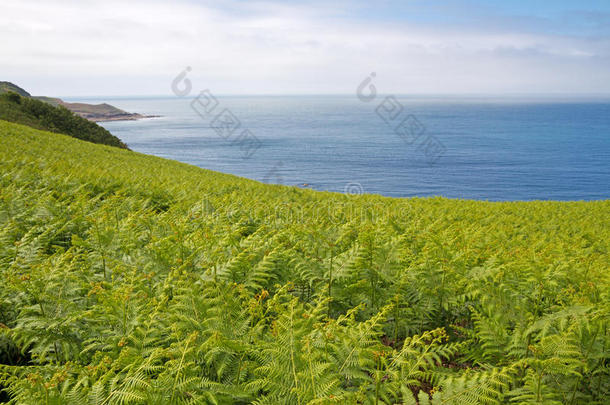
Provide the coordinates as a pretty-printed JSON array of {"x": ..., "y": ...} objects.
[
  {"x": 103, "y": 112},
  {"x": 93, "y": 112},
  {"x": 130, "y": 117},
  {"x": 96, "y": 112}
]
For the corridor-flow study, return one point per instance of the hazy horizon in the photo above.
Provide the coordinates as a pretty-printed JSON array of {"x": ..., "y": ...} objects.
[{"x": 558, "y": 97}]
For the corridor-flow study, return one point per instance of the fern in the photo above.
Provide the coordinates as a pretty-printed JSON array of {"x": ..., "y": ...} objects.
[{"x": 127, "y": 279}]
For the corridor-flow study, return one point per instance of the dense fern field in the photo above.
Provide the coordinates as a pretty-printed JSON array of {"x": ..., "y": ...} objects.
[
  {"x": 55, "y": 118},
  {"x": 130, "y": 279}
]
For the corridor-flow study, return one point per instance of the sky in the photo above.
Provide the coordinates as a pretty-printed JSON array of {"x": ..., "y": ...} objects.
[{"x": 121, "y": 48}]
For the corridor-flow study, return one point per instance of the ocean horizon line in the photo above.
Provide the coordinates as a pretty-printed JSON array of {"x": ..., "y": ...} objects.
[{"x": 532, "y": 96}]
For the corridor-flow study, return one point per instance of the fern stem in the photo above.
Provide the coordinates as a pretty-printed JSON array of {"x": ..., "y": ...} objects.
[
  {"x": 56, "y": 352},
  {"x": 377, "y": 380},
  {"x": 292, "y": 362},
  {"x": 330, "y": 281},
  {"x": 239, "y": 369},
  {"x": 599, "y": 380},
  {"x": 102, "y": 252},
  {"x": 578, "y": 381},
  {"x": 188, "y": 342},
  {"x": 124, "y": 317},
  {"x": 373, "y": 275},
  {"x": 539, "y": 386},
  {"x": 396, "y": 315},
  {"x": 309, "y": 356}
]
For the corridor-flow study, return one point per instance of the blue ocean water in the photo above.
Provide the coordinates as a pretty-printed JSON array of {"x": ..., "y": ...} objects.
[{"x": 457, "y": 147}]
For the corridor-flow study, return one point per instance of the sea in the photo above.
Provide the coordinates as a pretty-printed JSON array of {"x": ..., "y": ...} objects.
[{"x": 496, "y": 148}]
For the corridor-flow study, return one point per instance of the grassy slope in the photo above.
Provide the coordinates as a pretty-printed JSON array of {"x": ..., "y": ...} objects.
[
  {"x": 41, "y": 115},
  {"x": 8, "y": 86},
  {"x": 95, "y": 109},
  {"x": 113, "y": 262},
  {"x": 54, "y": 101},
  {"x": 93, "y": 112}
]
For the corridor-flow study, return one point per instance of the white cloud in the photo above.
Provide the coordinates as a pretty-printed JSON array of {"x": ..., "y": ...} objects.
[{"x": 112, "y": 47}]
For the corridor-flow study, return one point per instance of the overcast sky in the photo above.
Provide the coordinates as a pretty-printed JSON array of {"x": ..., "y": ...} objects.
[{"x": 111, "y": 47}]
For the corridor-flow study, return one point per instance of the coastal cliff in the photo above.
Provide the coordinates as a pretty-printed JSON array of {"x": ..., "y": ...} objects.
[{"x": 91, "y": 112}]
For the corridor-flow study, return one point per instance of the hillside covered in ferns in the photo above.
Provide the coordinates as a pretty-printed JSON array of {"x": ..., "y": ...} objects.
[{"x": 130, "y": 279}]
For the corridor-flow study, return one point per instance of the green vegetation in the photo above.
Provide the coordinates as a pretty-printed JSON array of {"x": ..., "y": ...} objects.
[
  {"x": 132, "y": 279},
  {"x": 54, "y": 101},
  {"x": 6, "y": 87},
  {"x": 45, "y": 116},
  {"x": 92, "y": 112},
  {"x": 97, "y": 112},
  {"x": 104, "y": 109}
]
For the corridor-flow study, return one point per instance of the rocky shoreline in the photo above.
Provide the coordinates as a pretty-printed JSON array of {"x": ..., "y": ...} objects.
[{"x": 119, "y": 117}]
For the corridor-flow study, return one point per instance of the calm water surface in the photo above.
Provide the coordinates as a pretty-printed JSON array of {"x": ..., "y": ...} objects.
[{"x": 494, "y": 148}]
